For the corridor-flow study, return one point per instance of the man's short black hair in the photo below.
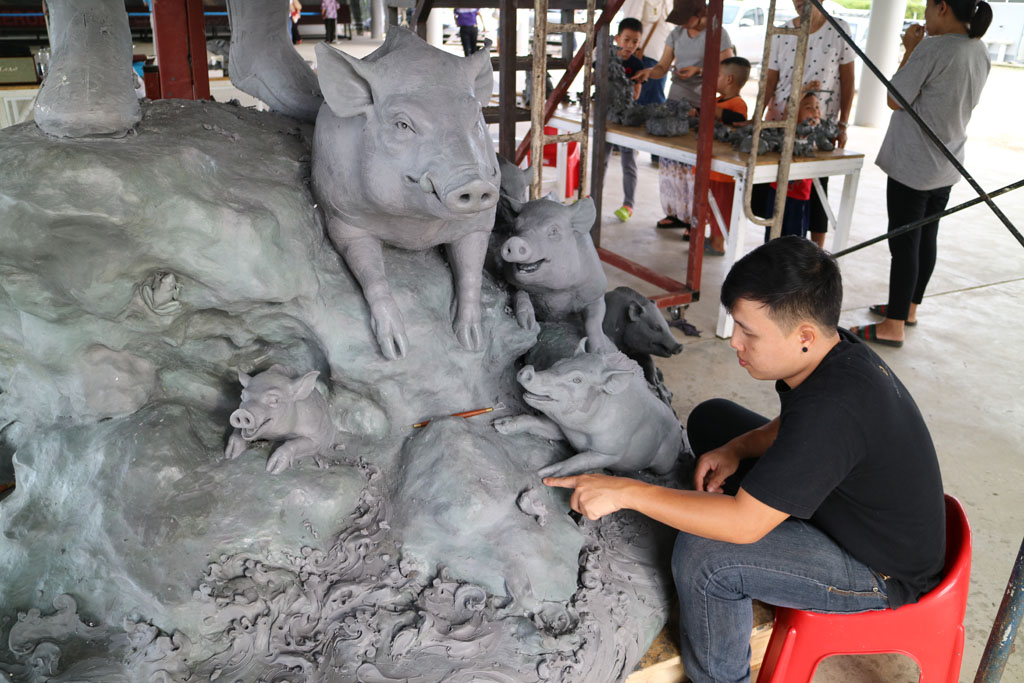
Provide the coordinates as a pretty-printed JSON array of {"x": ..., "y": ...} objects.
[
  {"x": 795, "y": 279},
  {"x": 630, "y": 24}
]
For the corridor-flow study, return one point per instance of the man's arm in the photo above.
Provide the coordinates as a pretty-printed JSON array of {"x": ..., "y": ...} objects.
[
  {"x": 659, "y": 69},
  {"x": 846, "y": 89},
  {"x": 771, "y": 82},
  {"x": 717, "y": 465},
  {"x": 733, "y": 519},
  {"x": 911, "y": 39}
]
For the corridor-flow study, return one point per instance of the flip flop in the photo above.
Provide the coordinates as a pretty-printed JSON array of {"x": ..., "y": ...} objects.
[
  {"x": 881, "y": 309},
  {"x": 711, "y": 251},
  {"x": 869, "y": 333},
  {"x": 673, "y": 222}
]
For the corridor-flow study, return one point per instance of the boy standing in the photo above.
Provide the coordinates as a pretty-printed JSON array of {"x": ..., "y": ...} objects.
[
  {"x": 796, "y": 217},
  {"x": 626, "y": 41},
  {"x": 730, "y": 110}
]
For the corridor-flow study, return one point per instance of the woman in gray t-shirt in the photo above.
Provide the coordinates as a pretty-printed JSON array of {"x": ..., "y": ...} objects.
[
  {"x": 685, "y": 47},
  {"x": 941, "y": 77}
]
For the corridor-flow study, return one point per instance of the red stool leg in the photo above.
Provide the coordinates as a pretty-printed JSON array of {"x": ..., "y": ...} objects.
[{"x": 787, "y": 660}]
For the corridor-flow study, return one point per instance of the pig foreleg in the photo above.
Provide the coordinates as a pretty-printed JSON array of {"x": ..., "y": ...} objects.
[
  {"x": 365, "y": 259},
  {"x": 579, "y": 463},
  {"x": 593, "y": 322},
  {"x": 236, "y": 445},
  {"x": 467, "y": 258},
  {"x": 525, "y": 314},
  {"x": 290, "y": 451},
  {"x": 529, "y": 424}
]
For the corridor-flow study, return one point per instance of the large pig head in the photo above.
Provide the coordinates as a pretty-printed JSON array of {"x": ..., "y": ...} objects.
[
  {"x": 544, "y": 250},
  {"x": 424, "y": 149},
  {"x": 573, "y": 390}
]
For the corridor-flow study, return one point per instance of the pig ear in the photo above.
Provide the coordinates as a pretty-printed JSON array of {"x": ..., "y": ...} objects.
[
  {"x": 481, "y": 75},
  {"x": 303, "y": 387},
  {"x": 583, "y": 215},
  {"x": 527, "y": 173},
  {"x": 581, "y": 348},
  {"x": 243, "y": 378},
  {"x": 634, "y": 311},
  {"x": 616, "y": 381},
  {"x": 516, "y": 206},
  {"x": 344, "y": 80}
]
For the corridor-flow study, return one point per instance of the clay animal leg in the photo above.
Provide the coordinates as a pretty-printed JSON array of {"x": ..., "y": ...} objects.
[
  {"x": 365, "y": 259},
  {"x": 597, "y": 340},
  {"x": 289, "y": 452},
  {"x": 90, "y": 89},
  {"x": 467, "y": 259},
  {"x": 525, "y": 314},
  {"x": 529, "y": 424},
  {"x": 579, "y": 463},
  {"x": 263, "y": 62},
  {"x": 236, "y": 445}
]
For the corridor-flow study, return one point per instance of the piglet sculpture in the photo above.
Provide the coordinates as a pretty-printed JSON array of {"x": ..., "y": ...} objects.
[
  {"x": 601, "y": 405},
  {"x": 640, "y": 331},
  {"x": 401, "y": 155},
  {"x": 278, "y": 407},
  {"x": 552, "y": 262}
]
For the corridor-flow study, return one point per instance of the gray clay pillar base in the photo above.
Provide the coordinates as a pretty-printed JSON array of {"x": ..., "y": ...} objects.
[
  {"x": 89, "y": 89},
  {"x": 263, "y": 62}
]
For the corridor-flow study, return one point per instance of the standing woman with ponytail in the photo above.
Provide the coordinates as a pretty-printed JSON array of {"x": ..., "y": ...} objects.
[{"x": 941, "y": 77}]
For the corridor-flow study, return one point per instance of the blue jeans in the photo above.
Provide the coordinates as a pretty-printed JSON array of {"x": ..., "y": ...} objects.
[{"x": 795, "y": 565}]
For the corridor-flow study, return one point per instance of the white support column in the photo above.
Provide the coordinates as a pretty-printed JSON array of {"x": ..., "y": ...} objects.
[
  {"x": 377, "y": 19},
  {"x": 435, "y": 27},
  {"x": 883, "y": 48}
]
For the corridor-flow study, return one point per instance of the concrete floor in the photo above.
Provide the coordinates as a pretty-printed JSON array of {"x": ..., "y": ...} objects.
[{"x": 959, "y": 362}]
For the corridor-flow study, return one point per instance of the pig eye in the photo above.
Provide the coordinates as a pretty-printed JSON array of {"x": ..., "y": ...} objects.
[
  {"x": 555, "y": 234},
  {"x": 577, "y": 380},
  {"x": 272, "y": 400},
  {"x": 403, "y": 125}
]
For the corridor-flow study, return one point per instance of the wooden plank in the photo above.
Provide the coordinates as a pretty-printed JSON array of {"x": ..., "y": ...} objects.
[{"x": 671, "y": 670}]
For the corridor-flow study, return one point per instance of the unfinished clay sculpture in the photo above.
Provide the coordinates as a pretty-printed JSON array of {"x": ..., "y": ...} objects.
[
  {"x": 264, "y": 63},
  {"x": 552, "y": 262},
  {"x": 640, "y": 331},
  {"x": 90, "y": 88},
  {"x": 160, "y": 293},
  {"x": 278, "y": 407},
  {"x": 601, "y": 405},
  {"x": 401, "y": 156}
]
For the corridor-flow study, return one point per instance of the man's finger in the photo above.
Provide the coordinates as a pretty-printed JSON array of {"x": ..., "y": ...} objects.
[{"x": 561, "y": 482}]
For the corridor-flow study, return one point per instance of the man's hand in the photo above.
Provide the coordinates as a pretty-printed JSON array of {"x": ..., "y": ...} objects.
[
  {"x": 713, "y": 468},
  {"x": 913, "y": 36},
  {"x": 596, "y": 495},
  {"x": 688, "y": 72},
  {"x": 841, "y": 138}
]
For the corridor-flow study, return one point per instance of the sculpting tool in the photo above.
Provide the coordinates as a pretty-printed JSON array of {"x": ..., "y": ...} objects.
[
  {"x": 468, "y": 413},
  {"x": 8, "y": 485}
]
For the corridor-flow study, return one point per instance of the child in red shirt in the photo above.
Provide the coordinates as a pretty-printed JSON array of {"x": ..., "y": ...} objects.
[{"x": 796, "y": 217}]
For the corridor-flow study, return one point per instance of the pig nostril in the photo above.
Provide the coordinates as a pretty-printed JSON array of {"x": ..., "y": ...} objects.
[
  {"x": 485, "y": 197},
  {"x": 464, "y": 199}
]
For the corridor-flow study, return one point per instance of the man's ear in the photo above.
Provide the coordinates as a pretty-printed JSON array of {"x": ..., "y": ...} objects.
[{"x": 346, "y": 82}]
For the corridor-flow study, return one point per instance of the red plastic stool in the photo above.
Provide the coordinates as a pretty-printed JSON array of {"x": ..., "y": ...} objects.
[
  {"x": 572, "y": 164},
  {"x": 930, "y": 632}
]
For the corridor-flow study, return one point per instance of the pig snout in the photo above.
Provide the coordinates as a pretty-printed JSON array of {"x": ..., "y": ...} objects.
[
  {"x": 242, "y": 419},
  {"x": 472, "y": 197},
  {"x": 526, "y": 375},
  {"x": 673, "y": 348},
  {"x": 516, "y": 250}
]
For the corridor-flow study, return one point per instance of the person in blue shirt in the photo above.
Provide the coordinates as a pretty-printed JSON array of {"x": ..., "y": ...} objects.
[{"x": 465, "y": 19}]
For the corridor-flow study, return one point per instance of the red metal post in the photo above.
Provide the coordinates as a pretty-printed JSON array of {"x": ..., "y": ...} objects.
[
  {"x": 705, "y": 138},
  {"x": 180, "y": 35}
]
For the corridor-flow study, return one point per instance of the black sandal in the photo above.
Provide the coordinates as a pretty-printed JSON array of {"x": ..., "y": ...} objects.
[{"x": 673, "y": 222}]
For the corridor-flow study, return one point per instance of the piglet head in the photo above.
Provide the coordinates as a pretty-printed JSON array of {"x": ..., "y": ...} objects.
[{"x": 271, "y": 402}]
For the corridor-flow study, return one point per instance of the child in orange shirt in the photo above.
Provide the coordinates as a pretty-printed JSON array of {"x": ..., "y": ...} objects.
[{"x": 730, "y": 110}]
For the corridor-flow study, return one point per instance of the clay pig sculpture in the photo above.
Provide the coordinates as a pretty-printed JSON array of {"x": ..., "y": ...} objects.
[
  {"x": 600, "y": 404},
  {"x": 640, "y": 331},
  {"x": 279, "y": 407},
  {"x": 401, "y": 155},
  {"x": 552, "y": 262}
]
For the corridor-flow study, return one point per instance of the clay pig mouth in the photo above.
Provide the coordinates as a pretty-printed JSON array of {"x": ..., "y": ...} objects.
[
  {"x": 530, "y": 267},
  {"x": 250, "y": 434},
  {"x": 531, "y": 398}
]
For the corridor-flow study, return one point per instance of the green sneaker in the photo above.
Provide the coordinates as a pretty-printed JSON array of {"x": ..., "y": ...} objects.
[{"x": 624, "y": 213}]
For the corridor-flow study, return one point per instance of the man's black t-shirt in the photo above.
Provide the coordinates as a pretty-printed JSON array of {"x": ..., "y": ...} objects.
[{"x": 854, "y": 456}]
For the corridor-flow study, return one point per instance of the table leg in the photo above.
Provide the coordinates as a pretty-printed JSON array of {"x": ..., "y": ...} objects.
[
  {"x": 562, "y": 166},
  {"x": 846, "y": 202},
  {"x": 733, "y": 244}
]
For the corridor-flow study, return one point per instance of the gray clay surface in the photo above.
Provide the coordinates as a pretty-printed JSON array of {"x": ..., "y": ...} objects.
[
  {"x": 90, "y": 87},
  {"x": 135, "y": 283},
  {"x": 601, "y": 404},
  {"x": 401, "y": 156},
  {"x": 552, "y": 262}
]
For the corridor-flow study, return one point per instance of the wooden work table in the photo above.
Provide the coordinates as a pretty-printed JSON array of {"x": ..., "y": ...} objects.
[{"x": 725, "y": 159}]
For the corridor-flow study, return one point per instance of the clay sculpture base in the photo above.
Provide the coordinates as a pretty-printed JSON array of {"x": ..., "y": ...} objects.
[{"x": 135, "y": 283}]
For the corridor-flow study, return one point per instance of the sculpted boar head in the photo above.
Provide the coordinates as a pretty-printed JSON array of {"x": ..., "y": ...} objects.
[
  {"x": 546, "y": 247},
  {"x": 269, "y": 400},
  {"x": 423, "y": 148}
]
